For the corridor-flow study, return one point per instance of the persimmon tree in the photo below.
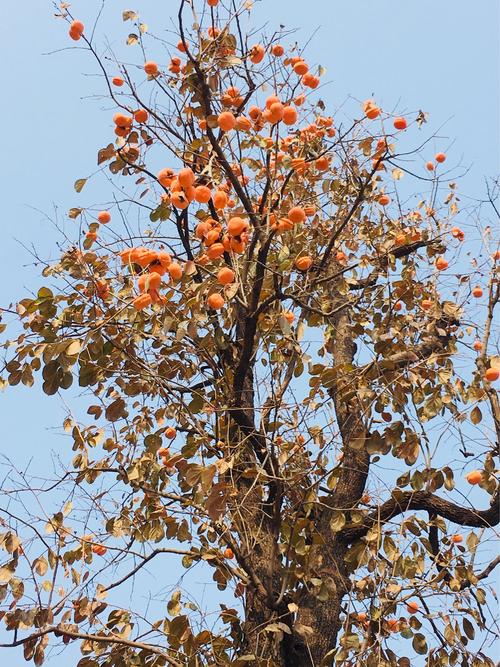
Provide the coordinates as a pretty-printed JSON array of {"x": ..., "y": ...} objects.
[{"x": 288, "y": 361}]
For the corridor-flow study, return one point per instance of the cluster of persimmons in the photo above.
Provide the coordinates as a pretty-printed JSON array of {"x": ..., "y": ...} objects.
[{"x": 224, "y": 233}]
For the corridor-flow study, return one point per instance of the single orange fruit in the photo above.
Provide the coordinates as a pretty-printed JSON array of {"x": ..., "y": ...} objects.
[
  {"x": 226, "y": 121},
  {"x": 492, "y": 374},
  {"x": 186, "y": 177},
  {"x": 289, "y": 115},
  {"x": 477, "y": 292},
  {"x": 393, "y": 624},
  {"x": 215, "y": 301},
  {"x": 412, "y": 607},
  {"x": 429, "y": 166},
  {"x": 441, "y": 264},
  {"x": 440, "y": 157},
  {"x": 117, "y": 81},
  {"x": 179, "y": 200},
  {"x": 142, "y": 301},
  {"x": 301, "y": 68},
  {"x": 296, "y": 214},
  {"x": 170, "y": 432},
  {"x": 165, "y": 177},
  {"x": 474, "y": 477},
  {"x": 175, "y": 270},
  {"x": 477, "y": 345},
  {"x": 277, "y": 50},
  {"x": 147, "y": 281},
  {"x": 104, "y": 217},
  {"x": 141, "y": 115},
  {"x": 122, "y": 120},
  {"x": 400, "y": 123},
  {"x": 202, "y": 194},
  {"x": 457, "y": 539},
  {"x": 322, "y": 163},
  {"x": 243, "y": 124},
  {"x": 225, "y": 276},
  {"x": 384, "y": 200},
  {"x": 236, "y": 226},
  {"x": 228, "y": 553},
  {"x": 215, "y": 251},
  {"x": 151, "y": 68},
  {"x": 257, "y": 54},
  {"x": 99, "y": 549},
  {"x": 310, "y": 80},
  {"x": 303, "y": 263}
]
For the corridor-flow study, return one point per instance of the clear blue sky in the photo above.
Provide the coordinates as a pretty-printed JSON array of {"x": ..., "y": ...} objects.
[{"x": 441, "y": 56}]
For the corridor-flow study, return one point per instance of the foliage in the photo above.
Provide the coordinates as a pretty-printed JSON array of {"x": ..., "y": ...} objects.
[{"x": 315, "y": 480}]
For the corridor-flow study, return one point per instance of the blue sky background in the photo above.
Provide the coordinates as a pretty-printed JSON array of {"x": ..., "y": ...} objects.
[{"x": 442, "y": 57}]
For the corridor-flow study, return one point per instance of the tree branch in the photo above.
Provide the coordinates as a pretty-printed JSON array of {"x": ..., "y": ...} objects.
[{"x": 405, "y": 501}]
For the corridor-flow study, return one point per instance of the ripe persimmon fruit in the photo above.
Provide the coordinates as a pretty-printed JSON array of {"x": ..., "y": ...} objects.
[
  {"x": 400, "y": 123},
  {"x": 257, "y": 54},
  {"x": 186, "y": 177},
  {"x": 303, "y": 263},
  {"x": 142, "y": 301},
  {"x": 104, "y": 217},
  {"x": 296, "y": 214},
  {"x": 215, "y": 301},
  {"x": 301, "y": 68},
  {"x": 393, "y": 624},
  {"x": 492, "y": 374},
  {"x": 170, "y": 432},
  {"x": 76, "y": 30},
  {"x": 243, "y": 124},
  {"x": 440, "y": 157},
  {"x": 141, "y": 115},
  {"x": 457, "y": 538},
  {"x": 412, "y": 607},
  {"x": 289, "y": 115},
  {"x": 236, "y": 226},
  {"x": 99, "y": 549},
  {"x": 474, "y": 477},
  {"x": 277, "y": 50},
  {"x": 147, "y": 281},
  {"x": 151, "y": 68},
  {"x": 215, "y": 251},
  {"x": 117, "y": 81},
  {"x": 202, "y": 194},
  {"x": 225, "y": 276},
  {"x": 226, "y": 121},
  {"x": 441, "y": 264},
  {"x": 477, "y": 292},
  {"x": 175, "y": 270}
]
